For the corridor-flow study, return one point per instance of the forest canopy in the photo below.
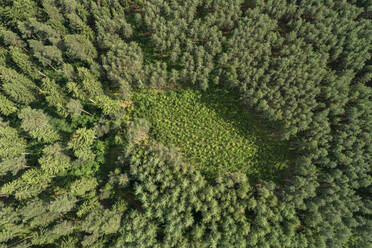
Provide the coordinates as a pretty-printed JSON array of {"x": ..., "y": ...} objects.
[{"x": 199, "y": 123}]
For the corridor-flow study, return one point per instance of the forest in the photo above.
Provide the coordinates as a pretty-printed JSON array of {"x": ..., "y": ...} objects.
[{"x": 185, "y": 124}]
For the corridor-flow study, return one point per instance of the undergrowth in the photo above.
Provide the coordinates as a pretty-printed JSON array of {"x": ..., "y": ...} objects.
[{"x": 213, "y": 131}]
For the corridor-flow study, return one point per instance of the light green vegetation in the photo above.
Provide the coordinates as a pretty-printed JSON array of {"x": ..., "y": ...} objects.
[{"x": 213, "y": 130}]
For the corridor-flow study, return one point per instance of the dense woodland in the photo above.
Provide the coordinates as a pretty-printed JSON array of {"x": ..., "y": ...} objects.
[{"x": 92, "y": 93}]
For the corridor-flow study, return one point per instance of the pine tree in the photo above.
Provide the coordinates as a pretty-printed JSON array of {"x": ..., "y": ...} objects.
[
  {"x": 7, "y": 107},
  {"x": 35, "y": 180},
  {"x": 18, "y": 10},
  {"x": 89, "y": 83},
  {"x": 24, "y": 63},
  {"x": 46, "y": 54},
  {"x": 13, "y": 165},
  {"x": 111, "y": 27},
  {"x": 36, "y": 123},
  {"x": 82, "y": 186},
  {"x": 79, "y": 47},
  {"x": 12, "y": 151},
  {"x": 9, "y": 38},
  {"x": 54, "y": 95},
  {"x": 74, "y": 107},
  {"x": 54, "y": 161},
  {"x": 30, "y": 184},
  {"x": 100, "y": 222},
  {"x": 17, "y": 86},
  {"x": 124, "y": 66},
  {"x": 108, "y": 105},
  {"x": 81, "y": 143},
  {"x": 43, "y": 32},
  {"x": 56, "y": 19},
  {"x": 11, "y": 145}
]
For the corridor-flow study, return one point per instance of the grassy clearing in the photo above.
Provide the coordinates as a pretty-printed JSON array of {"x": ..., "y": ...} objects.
[{"x": 213, "y": 131}]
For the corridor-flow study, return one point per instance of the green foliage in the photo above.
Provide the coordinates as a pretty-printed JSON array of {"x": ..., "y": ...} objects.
[
  {"x": 81, "y": 143},
  {"x": 82, "y": 186},
  {"x": 89, "y": 83},
  {"x": 213, "y": 131},
  {"x": 17, "y": 86},
  {"x": 47, "y": 55},
  {"x": 36, "y": 123},
  {"x": 110, "y": 25},
  {"x": 56, "y": 19},
  {"x": 4, "y": 56},
  {"x": 9, "y": 38},
  {"x": 35, "y": 180},
  {"x": 63, "y": 204},
  {"x": 32, "y": 183},
  {"x": 11, "y": 144},
  {"x": 178, "y": 204},
  {"x": 12, "y": 151},
  {"x": 79, "y": 47},
  {"x": 14, "y": 11},
  {"x": 124, "y": 66},
  {"x": 54, "y": 160},
  {"x": 102, "y": 221},
  {"x": 108, "y": 105},
  {"x": 24, "y": 62},
  {"x": 272, "y": 151},
  {"x": 41, "y": 31},
  {"x": 6, "y": 106},
  {"x": 13, "y": 165},
  {"x": 74, "y": 107},
  {"x": 138, "y": 131},
  {"x": 54, "y": 95}
]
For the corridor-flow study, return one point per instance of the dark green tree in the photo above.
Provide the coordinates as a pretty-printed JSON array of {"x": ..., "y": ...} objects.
[{"x": 17, "y": 86}]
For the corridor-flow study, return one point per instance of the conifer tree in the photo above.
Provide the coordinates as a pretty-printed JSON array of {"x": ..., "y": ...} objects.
[
  {"x": 79, "y": 47},
  {"x": 24, "y": 62},
  {"x": 74, "y": 107},
  {"x": 12, "y": 150},
  {"x": 6, "y": 106},
  {"x": 54, "y": 95},
  {"x": 11, "y": 144},
  {"x": 13, "y": 165},
  {"x": 138, "y": 131},
  {"x": 81, "y": 143},
  {"x": 17, "y": 86},
  {"x": 35, "y": 180},
  {"x": 111, "y": 27},
  {"x": 124, "y": 66},
  {"x": 108, "y": 105},
  {"x": 36, "y": 123},
  {"x": 89, "y": 83},
  {"x": 9, "y": 38},
  {"x": 46, "y": 54},
  {"x": 82, "y": 186},
  {"x": 14, "y": 11},
  {"x": 56, "y": 19},
  {"x": 41, "y": 31}
]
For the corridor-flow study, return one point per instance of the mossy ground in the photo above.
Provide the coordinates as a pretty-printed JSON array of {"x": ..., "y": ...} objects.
[{"x": 213, "y": 130}]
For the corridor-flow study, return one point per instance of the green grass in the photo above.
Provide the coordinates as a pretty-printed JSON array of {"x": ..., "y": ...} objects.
[{"x": 213, "y": 131}]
